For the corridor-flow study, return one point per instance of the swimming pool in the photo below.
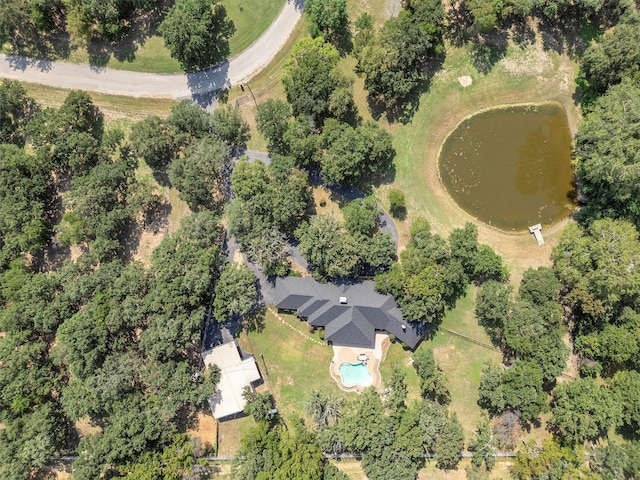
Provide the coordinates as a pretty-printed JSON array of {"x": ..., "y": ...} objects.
[{"x": 355, "y": 374}]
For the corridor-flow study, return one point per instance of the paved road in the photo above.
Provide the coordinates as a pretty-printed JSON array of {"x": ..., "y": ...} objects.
[{"x": 239, "y": 69}]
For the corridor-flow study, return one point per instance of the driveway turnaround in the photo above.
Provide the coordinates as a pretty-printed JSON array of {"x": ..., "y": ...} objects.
[{"x": 238, "y": 69}]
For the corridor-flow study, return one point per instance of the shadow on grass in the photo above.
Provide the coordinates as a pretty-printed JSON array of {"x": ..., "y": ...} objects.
[
  {"x": 488, "y": 50},
  {"x": 401, "y": 110}
]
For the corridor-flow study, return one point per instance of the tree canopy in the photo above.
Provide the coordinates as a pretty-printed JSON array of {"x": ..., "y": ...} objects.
[
  {"x": 197, "y": 33},
  {"x": 606, "y": 151}
]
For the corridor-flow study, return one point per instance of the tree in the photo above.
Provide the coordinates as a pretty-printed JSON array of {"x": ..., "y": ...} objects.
[
  {"x": 325, "y": 410},
  {"x": 151, "y": 140},
  {"x": 227, "y": 124},
  {"x": 432, "y": 379},
  {"x": 616, "y": 56},
  {"x": 449, "y": 444},
  {"x": 397, "y": 202},
  {"x": 260, "y": 405},
  {"x": 303, "y": 142},
  {"x": 606, "y": 160},
  {"x": 552, "y": 461},
  {"x": 197, "y": 33},
  {"x": 582, "y": 410},
  {"x": 489, "y": 265},
  {"x": 235, "y": 292},
  {"x": 110, "y": 18},
  {"x": 482, "y": 444},
  {"x": 25, "y": 197},
  {"x": 16, "y": 110},
  {"x": 626, "y": 387},
  {"x": 518, "y": 388},
  {"x": 328, "y": 18},
  {"x": 351, "y": 153},
  {"x": 199, "y": 174},
  {"x": 361, "y": 216},
  {"x": 310, "y": 77},
  {"x": 464, "y": 246},
  {"x": 330, "y": 252},
  {"x": 272, "y": 120},
  {"x": 539, "y": 286},
  {"x": 487, "y": 14},
  {"x": 597, "y": 266},
  {"x": 393, "y": 62},
  {"x": 493, "y": 306}
]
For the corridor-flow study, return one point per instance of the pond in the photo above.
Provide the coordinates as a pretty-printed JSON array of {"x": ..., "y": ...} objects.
[{"x": 511, "y": 167}]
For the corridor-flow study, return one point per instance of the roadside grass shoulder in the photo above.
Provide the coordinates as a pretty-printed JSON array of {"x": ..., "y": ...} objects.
[
  {"x": 113, "y": 106},
  {"x": 250, "y": 17},
  {"x": 264, "y": 86}
]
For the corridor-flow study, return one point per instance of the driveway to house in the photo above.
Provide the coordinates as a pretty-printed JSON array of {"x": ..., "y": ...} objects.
[{"x": 237, "y": 70}]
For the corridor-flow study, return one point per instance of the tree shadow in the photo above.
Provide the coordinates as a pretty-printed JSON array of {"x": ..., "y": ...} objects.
[
  {"x": 489, "y": 49},
  {"x": 124, "y": 48},
  {"x": 254, "y": 321},
  {"x": 399, "y": 213},
  {"x": 570, "y": 34},
  {"x": 521, "y": 32},
  {"x": 208, "y": 80}
]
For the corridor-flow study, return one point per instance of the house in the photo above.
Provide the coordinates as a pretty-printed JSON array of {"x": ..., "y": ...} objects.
[
  {"x": 236, "y": 373},
  {"x": 351, "y": 313}
]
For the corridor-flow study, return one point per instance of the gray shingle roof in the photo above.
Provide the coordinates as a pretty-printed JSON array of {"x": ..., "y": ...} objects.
[{"x": 350, "y": 324}]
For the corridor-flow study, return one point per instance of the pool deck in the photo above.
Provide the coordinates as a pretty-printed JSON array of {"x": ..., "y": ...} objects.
[{"x": 350, "y": 354}]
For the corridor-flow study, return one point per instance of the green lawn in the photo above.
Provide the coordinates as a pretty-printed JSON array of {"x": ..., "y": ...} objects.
[
  {"x": 295, "y": 366},
  {"x": 461, "y": 360},
  {"x": 251, "y": 18}
]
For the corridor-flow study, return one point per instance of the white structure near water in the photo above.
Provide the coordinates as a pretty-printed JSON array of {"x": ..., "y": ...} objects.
[{"x": 537, "y": 232}]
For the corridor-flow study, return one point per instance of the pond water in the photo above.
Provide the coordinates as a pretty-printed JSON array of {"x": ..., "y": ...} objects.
[{"x": 511, "y": 167}]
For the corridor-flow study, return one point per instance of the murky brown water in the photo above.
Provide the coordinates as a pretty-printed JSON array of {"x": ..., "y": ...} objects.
[{"x": 511, "y": 167}]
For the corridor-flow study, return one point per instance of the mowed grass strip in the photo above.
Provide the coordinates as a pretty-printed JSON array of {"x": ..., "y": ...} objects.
[
  {"x": 113, "y": 106},
  {"x": 295, "y": 366},
  {"x": 251, "y": 18}
]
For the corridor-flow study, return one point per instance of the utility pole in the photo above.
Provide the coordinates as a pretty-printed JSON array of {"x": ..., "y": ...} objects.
[{"x": 250, "y": 91}]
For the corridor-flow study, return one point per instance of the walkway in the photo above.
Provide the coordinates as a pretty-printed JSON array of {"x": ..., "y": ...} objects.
[{"x": 239, "y": 69}]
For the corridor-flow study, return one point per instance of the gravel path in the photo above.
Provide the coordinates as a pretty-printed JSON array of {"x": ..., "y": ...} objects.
[{"x": 239, "y": 69}]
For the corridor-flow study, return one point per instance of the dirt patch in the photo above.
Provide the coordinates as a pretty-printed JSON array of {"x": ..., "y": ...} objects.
[
  {"x": 325, "y": 202},
  {"x": 206, "y": 431},
  {"x": 297, "y": 268},
  {"x": 84, "y": 427},
  {"x": 148, "y": 242},
  {"x": 465, "y": 80},
  {"x": 530, "y": 61},
  {"x": 237, "y": 257}
]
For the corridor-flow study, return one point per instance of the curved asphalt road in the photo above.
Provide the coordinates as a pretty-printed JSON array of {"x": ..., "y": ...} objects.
[{"x": 239, "y": 69}]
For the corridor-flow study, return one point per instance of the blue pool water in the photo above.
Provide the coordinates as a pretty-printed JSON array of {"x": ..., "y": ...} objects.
[{"x": 355, "y": 374}]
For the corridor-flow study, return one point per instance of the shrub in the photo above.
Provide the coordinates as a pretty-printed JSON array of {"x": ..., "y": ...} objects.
[{"x": 397, "y": 202}]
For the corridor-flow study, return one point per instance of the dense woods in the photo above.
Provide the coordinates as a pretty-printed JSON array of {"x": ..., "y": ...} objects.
[{"x": 96, "y": 337}]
